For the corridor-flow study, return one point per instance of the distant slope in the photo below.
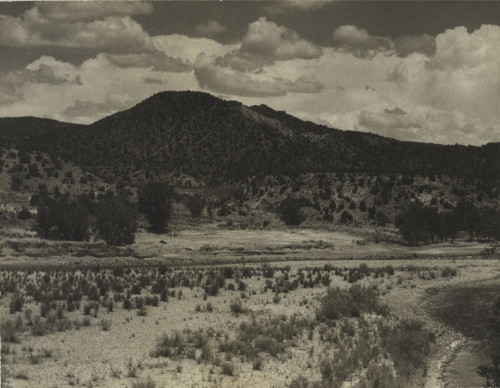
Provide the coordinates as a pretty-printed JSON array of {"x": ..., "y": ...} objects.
[
  {"x": 15, "y": 130},
  {"x": 215, "y": 140}
]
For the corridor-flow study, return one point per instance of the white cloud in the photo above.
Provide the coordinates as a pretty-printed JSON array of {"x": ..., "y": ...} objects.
[
  {"x": 227, "y": 81},
  {"x": 442, "y": 89},
  {"x": 264, "y": 44},
  {"x": 188, "y": 49},
  {"x": 100, "y": 81},
  {"x": 9, "y": 91},
  {"x": 359, "y": 41},
  {"x": 266, "y": 39},
  {"x": 112, "y": 34}
]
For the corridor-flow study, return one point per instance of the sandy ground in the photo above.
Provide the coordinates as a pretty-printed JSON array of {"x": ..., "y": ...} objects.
[
  {"x": 212, "y": 244},
  {"x": 92, "y": 357}
]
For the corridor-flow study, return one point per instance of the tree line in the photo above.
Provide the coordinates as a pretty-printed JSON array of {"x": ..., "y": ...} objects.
[
  {"x": 61, "y": 218},
  {"x": 418, "y": 223}
]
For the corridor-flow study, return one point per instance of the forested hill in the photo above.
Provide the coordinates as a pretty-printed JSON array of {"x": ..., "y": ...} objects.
[
  {"x": 212, "y": 139},
  {"x": 16, "y": 130}
]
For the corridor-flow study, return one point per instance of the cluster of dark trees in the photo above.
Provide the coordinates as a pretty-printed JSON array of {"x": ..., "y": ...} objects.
[
  {"x": 423, "y": 224},
  {"x": 61, "y": 218}
]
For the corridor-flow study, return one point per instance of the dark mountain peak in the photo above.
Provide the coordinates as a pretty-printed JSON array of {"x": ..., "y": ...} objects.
[
  {"x": 210, "y": 138},
  {"x": 170, "y": 105},
  {"x": 190, "y": 98}
]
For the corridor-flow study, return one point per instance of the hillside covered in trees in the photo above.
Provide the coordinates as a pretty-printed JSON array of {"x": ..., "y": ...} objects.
[
  {"x": 253, "y": 166},
  {"x": 215, "y": 140}
]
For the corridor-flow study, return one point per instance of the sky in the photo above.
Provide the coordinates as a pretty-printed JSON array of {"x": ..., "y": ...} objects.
[{"x": 411, "y": 70}]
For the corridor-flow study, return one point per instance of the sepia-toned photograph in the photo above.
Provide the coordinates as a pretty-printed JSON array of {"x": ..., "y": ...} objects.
[{"x": 262, "y": 194}]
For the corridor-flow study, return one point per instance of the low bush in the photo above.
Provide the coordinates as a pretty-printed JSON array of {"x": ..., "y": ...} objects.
[
  {"x": 228, "y": 368},
  {"x": 236, "y": 307},
  {"x": 9, "y": 332},
  {"x": 16, "y": 303},
  {"x": 352, "y": 302},
  {"x": 149, "y": 383},
  {"x": 409, "y": 343},
  {"x": 195, "y": 205},
  {"x": 170, "y": 346}
]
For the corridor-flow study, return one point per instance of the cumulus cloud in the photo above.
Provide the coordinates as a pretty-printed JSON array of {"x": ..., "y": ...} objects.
[
  {"x": 225, "y": 80},
  {"x": 266, "y": 39},
  {"x": 9, "y": 92},
  {"x": 458, "y": 49},
  {"x": 157, "y": 60},
  {"x": 86, "y": 108},
  {"x": 46, "y": 71},
  {"x": 45, "y": 74},
  {"x": 448, "y": 97},
  {"x": 210, "y": 28},
  {"x": 360, "y": 43},
  {"x": 241, "y": 71},
  {"x": 112, "y": 34},
  {"x": 188, "y": 48},
  {"x": 462, "y": 75}
]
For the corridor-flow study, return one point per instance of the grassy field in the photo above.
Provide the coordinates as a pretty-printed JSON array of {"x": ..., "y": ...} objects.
[
  {"x": 221, "y": 307},
  {"x": 210, "y": 305}
]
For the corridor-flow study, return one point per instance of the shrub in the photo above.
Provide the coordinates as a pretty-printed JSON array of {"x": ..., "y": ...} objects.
[
  {"x": 8, "y": 331},
  {"x": 149, "y": 383},
  {"x": 267, "y": 271},
  {"x": 228, "y": 368},
  {"x": 24, "y": 214},
  {"x": 195, "y": 204},
  {"x": 448, "y": 272},
  {"x": 300, "y": 382},
  {"x": 127, "y": 304},
  {"x": 236, "y": 307},
  {"x": 155, "y": 202},
  {"x": 290, "y": 212},
  {"x": 408, "y": 344},
  {"x": 353, "y": 302},
  {"x": 257, "y": 364},
  {"x": 105, "y": 324},
  {"x": 17, "y": 181},
  {"x": 16, "y": 303},
  {"x": 116, "y": 221},
  {"x": 346, "y": 217},
  {"x": 170, "y": 346},
  {"x": 378, "y": 376},
  {"x": 242, "y": 286}
]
